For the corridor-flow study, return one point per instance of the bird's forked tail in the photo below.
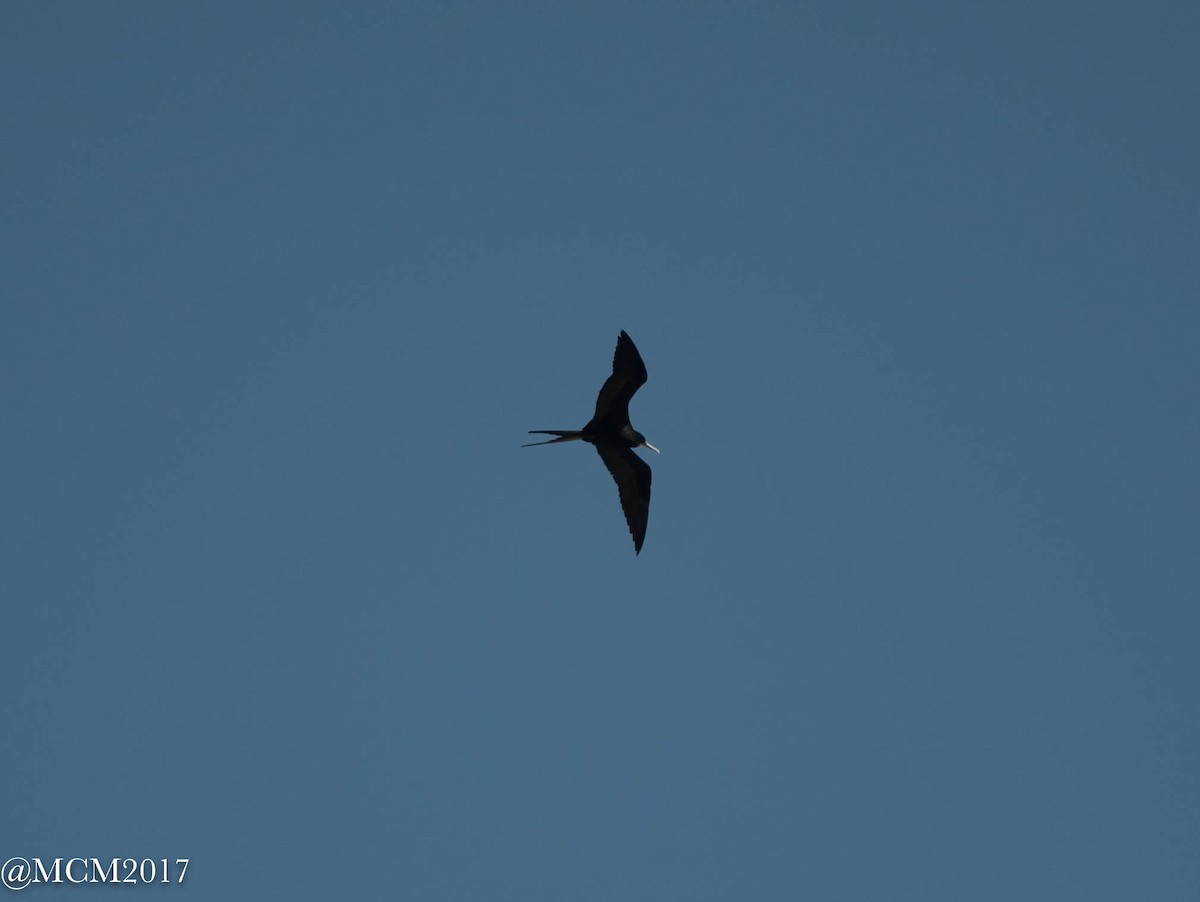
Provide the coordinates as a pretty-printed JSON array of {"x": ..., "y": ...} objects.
[{"x": 564, "y": 435}]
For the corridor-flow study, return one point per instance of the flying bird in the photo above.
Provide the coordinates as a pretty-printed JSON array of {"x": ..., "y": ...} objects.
[{"x": 615, "y": 438}]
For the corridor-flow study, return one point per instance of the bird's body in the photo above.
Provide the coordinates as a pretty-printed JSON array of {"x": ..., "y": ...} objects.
[{"x": 615, "y": 438}]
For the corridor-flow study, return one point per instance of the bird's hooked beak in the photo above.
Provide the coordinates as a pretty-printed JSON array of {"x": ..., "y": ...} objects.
[{"x": 651, "y": 447}]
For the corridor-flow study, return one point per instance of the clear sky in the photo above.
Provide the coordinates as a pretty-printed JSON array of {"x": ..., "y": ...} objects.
[{"x": 285, "y": 284}]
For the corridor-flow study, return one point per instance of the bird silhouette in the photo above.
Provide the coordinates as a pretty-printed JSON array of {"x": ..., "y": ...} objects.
[{"x": 615, "y": 438}]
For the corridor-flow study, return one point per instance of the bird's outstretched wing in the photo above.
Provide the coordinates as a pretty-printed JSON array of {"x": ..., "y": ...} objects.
[
  {"x": 632, "y": 475},
  {"x": 628, "y": 375}
]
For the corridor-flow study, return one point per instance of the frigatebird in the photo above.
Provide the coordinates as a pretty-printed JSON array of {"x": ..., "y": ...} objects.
[{"x": 615, "y": 438}]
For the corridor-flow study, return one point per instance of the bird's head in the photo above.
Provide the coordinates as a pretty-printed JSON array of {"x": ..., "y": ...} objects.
[{"x": 640, "y": 442}]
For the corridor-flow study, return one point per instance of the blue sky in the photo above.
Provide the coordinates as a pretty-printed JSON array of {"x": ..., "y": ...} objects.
[{"x": 916, "y": 285}]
